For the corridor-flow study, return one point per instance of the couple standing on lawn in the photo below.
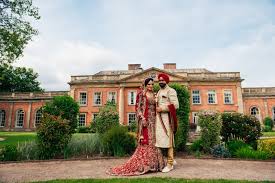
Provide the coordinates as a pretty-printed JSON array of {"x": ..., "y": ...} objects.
[{"x": 157, "y": 124}]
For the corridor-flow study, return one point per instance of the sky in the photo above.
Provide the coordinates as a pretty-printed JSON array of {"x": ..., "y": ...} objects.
[{"x": 88, "y": 36}]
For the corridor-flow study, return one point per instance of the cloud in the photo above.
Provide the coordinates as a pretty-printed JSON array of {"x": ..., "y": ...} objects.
[{"x": 56, "y": 62}]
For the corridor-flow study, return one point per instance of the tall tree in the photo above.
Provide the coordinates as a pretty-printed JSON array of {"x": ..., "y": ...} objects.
[
  {"x": 15, "y": 29},
  {"x": 18, "y": 79}
]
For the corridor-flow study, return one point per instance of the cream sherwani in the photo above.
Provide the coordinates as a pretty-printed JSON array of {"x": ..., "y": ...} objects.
[{"x": 165, "y": 97}]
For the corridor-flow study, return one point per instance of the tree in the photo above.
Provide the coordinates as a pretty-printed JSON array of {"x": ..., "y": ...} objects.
[
  {"x": 15, "y": 30},
  {"x": 66, "y": 107},
  {"x": 18, "y": 79}
]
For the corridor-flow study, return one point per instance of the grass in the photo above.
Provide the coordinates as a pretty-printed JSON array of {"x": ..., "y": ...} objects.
[
  {"x": 13, "y": 138},
  {"x": 269, "y": 134},
  {"x": 151, "y": 180}
]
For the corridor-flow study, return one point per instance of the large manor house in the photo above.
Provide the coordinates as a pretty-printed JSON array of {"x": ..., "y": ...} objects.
[{"x": 221, "y": 91}]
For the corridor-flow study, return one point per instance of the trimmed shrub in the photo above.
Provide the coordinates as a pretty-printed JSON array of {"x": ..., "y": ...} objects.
[
  {"x": 249, "y": 153},
  {"x": 267, "y": 145},
  {"x": 118, "y": 142},
  {"x": 83, "y": 129},
  {"x": 268, "y": 122},
  {"x": 220, "y": 151},
  {"x": 267, "y": 129},
  {"x": 197, "y": 145},
  {"x": 106, "y": 119},
  {"x": 53, "y": 136},
  {"x": 9, "y": 153},
  {"x": 239, "y": 126},
  {"x": 66, "y": 107},
  {"x": 234, "y": 145},
  {"x": 182, "y": 115},
  {"x": 210, "y": 123}
]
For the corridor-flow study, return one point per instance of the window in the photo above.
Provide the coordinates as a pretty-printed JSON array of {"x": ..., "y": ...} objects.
[
  {"x": 228, "y": 97},
  {"x": 132, "y": 97},
  {"x": 2, "y": 118},
  {"x": 211, "y": 97},
  {"x": 273, "y": 112},
  {"x": 112, "y": 97},
  {"x": 82, "y": 119},
  {"x": 195, "y": 117},
  {"x": 97, "y": 98},
  {"x": 254, "y": 111},
  {"x": 196, "y": 97},
  {"x": 19, "y": 118},
  {"x": 94, "y": 116},
  {"x": 131, "y": 118},
  {"x": 82, "y": 98},
  {"x": 38, "y": 116}
]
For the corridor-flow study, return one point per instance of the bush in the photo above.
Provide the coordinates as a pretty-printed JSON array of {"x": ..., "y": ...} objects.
[
  {"x": 182, "y": 115},
  {"x": 210, "y": 123},
  {"x": 84, "y": 145},
  {"x": 197, "y": 145},
  {"x": 268, "y": 122},
  {"x": 267, "y": 145},
  {"x": 249, "y": 153},
  {"x": 106, "y": 119},
  {"x": 66, "y": 107},
  {"x": 118, "y": 142},
  {"x": 53, "y": 136},
  {"x": 28, "y": 151},
  {"x": 132, "y": 127},
  {"x": 239, "y": 126},
  {"x": 267, "y": 129},
  {"x": 9, "y": 153},
  {"x": 83, "y": 129},
  {"x": 234, "y": 145},
  {"x": 220, "y": 151}
]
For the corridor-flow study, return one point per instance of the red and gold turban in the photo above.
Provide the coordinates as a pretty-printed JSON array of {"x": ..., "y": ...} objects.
[{"x": 165, "y": 77}]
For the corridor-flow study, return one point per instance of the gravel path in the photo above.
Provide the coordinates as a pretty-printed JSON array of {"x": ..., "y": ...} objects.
[{"x": 186, "y": 168}]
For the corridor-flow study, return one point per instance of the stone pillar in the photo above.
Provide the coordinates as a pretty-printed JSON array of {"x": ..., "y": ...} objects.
[
  {"x": 121, "y": 105},
  {"x": 265, "y": 108},
  {"x": 72, "y": 92},
  {"x": 240, "y": 99},
  {"x": 10, "y": 115},
  {"x": 29, "y": 117}
]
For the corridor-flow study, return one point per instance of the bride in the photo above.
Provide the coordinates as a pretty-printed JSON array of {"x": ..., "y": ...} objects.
[{"x": 147, "y": 157}]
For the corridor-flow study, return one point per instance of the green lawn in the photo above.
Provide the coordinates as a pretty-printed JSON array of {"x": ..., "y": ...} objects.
[
  {"x": 151, "y": 180},
  {"x": 14, "y": 138},
  {"x": 269, "y": 134}
]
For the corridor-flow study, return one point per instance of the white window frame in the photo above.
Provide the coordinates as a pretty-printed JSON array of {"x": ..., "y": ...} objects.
[
  {"x": 36, "y": 117},
  {"x": 257, "y": 115},
  {"x": 228, "y": 91},
  {"x": 85, "y": 119},
  {"x": 95, "y": 99},
  {"x": 18, "y": 118},
  {"x": 211, "y": 92},
  {"x": 111, "y": 96},
  {"x": 196, "y": 95},
  {"x": 2, "y": 118},
  {"x": 132, "y": 101},
  {"x": 128, "y": 116},
  {"x": 81, "y": 101}
]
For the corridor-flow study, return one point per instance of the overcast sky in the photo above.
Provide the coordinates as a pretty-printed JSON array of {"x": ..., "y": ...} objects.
[{"x": 84, "y": 37}]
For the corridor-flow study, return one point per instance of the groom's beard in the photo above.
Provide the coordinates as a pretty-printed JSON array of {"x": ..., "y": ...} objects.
[{"x": 162, "y": 85}]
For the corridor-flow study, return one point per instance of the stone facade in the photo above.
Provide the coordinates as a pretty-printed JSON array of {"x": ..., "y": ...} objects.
[{"x": 221, "y": 91}]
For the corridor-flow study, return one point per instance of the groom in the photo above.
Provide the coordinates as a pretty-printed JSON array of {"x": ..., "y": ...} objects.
[{"x": 166, "y": 121}]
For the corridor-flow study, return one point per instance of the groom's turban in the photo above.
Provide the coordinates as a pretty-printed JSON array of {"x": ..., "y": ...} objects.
[{"x": 165, "y": 77}]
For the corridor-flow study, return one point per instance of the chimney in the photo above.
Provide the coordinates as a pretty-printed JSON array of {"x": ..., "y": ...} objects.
[
  {"x": 134, "y": 66},
  {"x": 169, "y": 66}
]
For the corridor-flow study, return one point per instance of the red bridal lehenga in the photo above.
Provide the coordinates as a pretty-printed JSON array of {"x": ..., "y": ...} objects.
[{"x": 147, "y": 157}]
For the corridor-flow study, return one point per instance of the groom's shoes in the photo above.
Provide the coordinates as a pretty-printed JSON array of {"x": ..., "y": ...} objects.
[{"x": 168, "y": 168}]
